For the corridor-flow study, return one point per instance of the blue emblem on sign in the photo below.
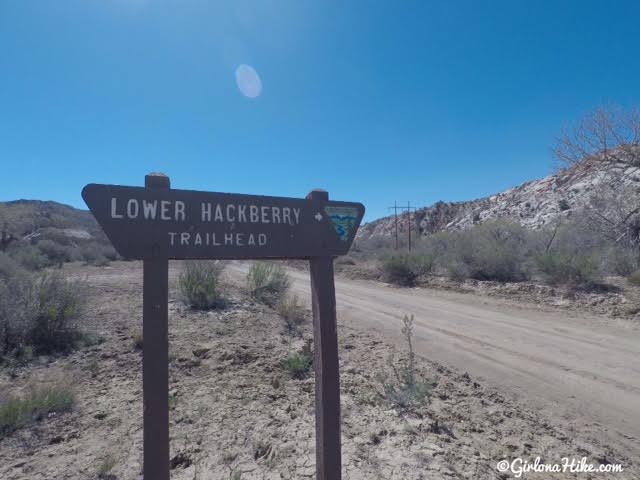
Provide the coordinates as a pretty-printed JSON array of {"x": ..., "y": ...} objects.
[{"x": 343, "y": 219}]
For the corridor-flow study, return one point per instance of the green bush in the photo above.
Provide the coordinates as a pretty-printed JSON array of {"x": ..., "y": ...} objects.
[
  {"x": 37, "y": 403},
  {"x": 298, "y": 364},
  {"x": 406, "y": 269},
  {"x": 30, "y": 257},
  {"x": 404, "y": 388},
  {"x": 634, "y": 278},
  {"x": 37, "y": 313},
  {"x": 200, "y": 286},
  {"x": 55, "y": 253},
  {"x": 268, "y": 282},
  {"x": 490, "y": 251},
  {"x": 54, "y": 328},
  {"x": 559, "y": 268},
  {"x": 17, "y": 306},
  {"x": 621, "y": 261},
  {"x": 293, "y": 313}
]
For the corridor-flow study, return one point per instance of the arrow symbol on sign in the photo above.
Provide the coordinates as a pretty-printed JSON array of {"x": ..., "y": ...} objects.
[{"x": 318, "y": 216}]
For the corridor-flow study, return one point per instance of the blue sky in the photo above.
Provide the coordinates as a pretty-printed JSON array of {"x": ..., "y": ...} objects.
[{"x": 374, "y": 101}]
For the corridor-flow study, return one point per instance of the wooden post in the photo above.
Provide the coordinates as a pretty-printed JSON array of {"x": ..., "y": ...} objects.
[
  {"x": 327, "y": 377},
  {"x": 155, "y": 356}
]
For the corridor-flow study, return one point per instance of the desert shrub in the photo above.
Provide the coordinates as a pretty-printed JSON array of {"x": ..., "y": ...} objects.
[
  {"x": 137, "y": 339},
  {"x": 268, "y": 282},
  {"x": 575, "y": 256},
  {"x": 93, "y": 254},
  {"x": 404, "y": 388},
  {"x": 30, "y": 257},
  {"x": 560, "y": 268},
  {"x": 200, "y": 286},
  {"x": 54, "y": 327},
  {"x": 405, "y": 269},
  {"x": 298, "y": 364},
  {"x": 106, "y": 467},
  {"x": 634, "y": 278},
  {"x": 55, "y": 253},
  {"x": 457, "y": 270},
  {"x": 621, "y": 261},
  {"x": 490, "y": 251},
  {"x": 38, "y": 313},
  {"x": 17, "y": 305},
  {"x": 35, "y": 404},
  {"x": 293, "y": 313}
]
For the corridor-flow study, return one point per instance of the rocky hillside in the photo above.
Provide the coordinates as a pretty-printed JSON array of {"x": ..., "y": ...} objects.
[
  {"x": 533, "y": 204},
  {"x": 33, "y": 218},
  {"x": 38, "y": 234}
]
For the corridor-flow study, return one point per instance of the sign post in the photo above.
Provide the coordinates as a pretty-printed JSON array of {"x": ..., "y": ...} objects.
[
  {"x": 325, "y": 362},
  {"x": 155, "y": 354},
  {"x": 157, "y": 223}
]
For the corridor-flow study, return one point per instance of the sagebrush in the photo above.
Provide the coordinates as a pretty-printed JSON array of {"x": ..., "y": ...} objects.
[
  {"x": 200, "y": 285},
  {"x": 38, "y": 313},
  {"x": 268, "y": 282}
]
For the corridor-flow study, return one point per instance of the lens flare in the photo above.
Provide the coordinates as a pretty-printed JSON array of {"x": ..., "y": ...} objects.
[{"x": 248, "y": 81}]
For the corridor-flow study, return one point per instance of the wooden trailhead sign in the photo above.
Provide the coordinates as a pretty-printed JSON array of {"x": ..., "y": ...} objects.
[
  {"x": 156, "y": 223},
  {"x": 186, "y": 224}
]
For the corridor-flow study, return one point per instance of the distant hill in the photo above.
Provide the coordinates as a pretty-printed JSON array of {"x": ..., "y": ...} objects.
[
  {"x": 533, "y": 204},
  {"x": 42, "y": 233},
  {"x": 33, "y": 218}
]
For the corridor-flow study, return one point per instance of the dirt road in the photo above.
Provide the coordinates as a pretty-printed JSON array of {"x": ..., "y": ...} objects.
[{"x": 582, "y": 371}]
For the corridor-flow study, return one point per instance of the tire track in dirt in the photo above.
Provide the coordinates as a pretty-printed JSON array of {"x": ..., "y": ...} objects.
[{"x": 581, "y": 370}]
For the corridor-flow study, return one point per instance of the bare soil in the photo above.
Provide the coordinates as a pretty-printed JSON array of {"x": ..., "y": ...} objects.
[{"x": 235, "y": 410}]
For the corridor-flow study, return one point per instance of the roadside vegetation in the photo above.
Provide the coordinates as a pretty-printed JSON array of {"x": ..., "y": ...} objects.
[
  {"x": 569, "y": 254},
  {"x": 268, "y": 282},
  {"x": 402, "y": 385},
  {"x": 39, "y": 313},
  {"x": 200, "y": 286},
  {"x": 34, "y": 404}
]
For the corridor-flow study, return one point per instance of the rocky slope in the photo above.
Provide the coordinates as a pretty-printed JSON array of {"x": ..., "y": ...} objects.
[{"x": 533, "y": 204}]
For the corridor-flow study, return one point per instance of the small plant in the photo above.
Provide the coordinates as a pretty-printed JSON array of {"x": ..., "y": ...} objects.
[
  {"x": 138, "y": 340},
  {"x": 105, "y": 468},
  {"x": 94, "y": 368},
  {"x": 563, "y": 204},
  {"x": 634, "y": 278},
  {"x": 404, "y": 389},
  {"x": 405, "y": 269},
  {"x": 293, "y": 313},
  {"x": 35, "y": 404},
  {"x": 298, "y": 364},
  {"x": 199, "y": 285},
  {"x": 268, "y": 282}
]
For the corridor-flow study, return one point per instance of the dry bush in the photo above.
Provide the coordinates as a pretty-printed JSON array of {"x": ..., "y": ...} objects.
[
  {"x": 405, "y": 269},
  {"x": 403, "y": 388},
  {"x": 36, "y": 403},
  {"x": 38, "y": 314},
  {"x": 268, "y": 282},
  {"x": 293, "y": 313},
  {"x": 200, "y": 285}
]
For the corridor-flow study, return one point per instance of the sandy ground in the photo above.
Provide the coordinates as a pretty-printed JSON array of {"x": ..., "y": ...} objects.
[
  {"x": 237, "y": 414},
  {"x": 580, "y": 369}
]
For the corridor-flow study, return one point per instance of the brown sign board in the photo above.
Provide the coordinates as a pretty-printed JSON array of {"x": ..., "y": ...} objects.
[{"x": 187, "y": 224}]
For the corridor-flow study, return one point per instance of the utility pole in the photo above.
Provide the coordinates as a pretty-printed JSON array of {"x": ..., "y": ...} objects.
[
  {"x": 409, "y": 208},
  {"x": 395, "y": 214}
]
